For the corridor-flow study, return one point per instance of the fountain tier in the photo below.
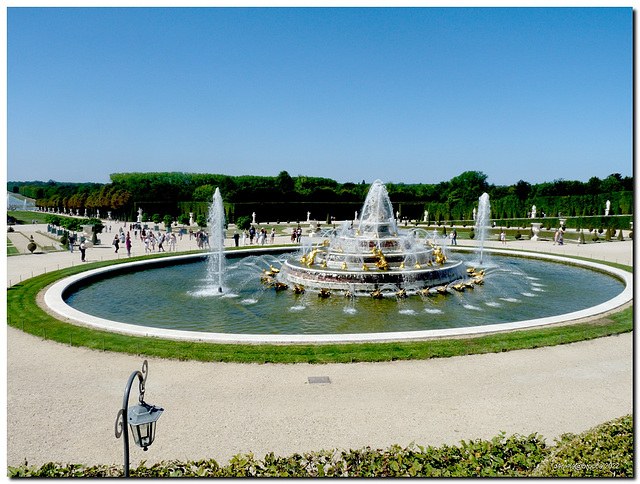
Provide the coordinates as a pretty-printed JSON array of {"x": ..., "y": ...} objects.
[{"x": 375, "y": 256}]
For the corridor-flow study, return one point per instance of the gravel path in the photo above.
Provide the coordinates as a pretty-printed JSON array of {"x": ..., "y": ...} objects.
[{"x": 62, "y": 401}]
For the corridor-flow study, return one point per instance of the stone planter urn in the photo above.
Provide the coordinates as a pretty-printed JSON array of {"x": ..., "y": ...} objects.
[
  {"x": 87, "y": 233},
  {"x": 313, "y": 228},
  {"x": 535, "y": 228}
]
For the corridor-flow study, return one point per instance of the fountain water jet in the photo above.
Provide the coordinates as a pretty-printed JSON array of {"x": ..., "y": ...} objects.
[
  {"x": 482, "y": 221},
  {"x": 215, "y": 270}
]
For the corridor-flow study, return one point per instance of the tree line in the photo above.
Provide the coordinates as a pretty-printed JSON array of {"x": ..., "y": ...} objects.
[{"x": 167, "y": 193}]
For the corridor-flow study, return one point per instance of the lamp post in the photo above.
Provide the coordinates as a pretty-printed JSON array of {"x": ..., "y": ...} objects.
[{"x": 142, "y": 418}]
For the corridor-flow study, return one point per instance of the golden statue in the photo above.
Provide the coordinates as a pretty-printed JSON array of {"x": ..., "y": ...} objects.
[
  {"x": 274, "y": 270},
  {"x": 364, "y": 267},
  {"x": 324, "y": 293},
  {"x": 324, "y": 264},
  {"x": 298, "y": 289},
  {"x": 418, "y": 266},
  {"x": 280, "y": 286},
  {"x": 402, "y": 265},
  {"x": 469, "y": 271},
  {"x": 402, "y": 293},
  {"x": 377, "y": 294},
  {"x": 382, "y": 262},
  {"x": 344, "y": 266},
  {"x": 311, "y": 257}
]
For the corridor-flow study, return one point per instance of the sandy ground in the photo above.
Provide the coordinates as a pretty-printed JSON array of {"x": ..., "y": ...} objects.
[{"x": 62, "y": 401}]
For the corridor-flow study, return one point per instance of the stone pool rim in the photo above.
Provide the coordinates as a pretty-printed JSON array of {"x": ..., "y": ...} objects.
[{"x": 54, "y": 300}]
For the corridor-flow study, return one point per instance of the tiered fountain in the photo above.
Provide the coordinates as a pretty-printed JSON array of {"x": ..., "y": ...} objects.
[{"x": 375, "y": 258}]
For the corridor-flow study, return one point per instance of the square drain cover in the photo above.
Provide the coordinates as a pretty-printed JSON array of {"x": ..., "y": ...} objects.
[{"x": 319, "y": 379}]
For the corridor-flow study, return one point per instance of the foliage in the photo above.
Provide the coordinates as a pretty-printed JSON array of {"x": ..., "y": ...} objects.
[
  {"x": 32, "y": 247},
  {"x": 201, "y": 220},
  {"x": 183, "y": 219},
  {"x": 167, "y": 219},
  {"x": 243, "y": 223},
  {"x": 447, "y": 200},
  {"x": 605, "y": 451},
  {"x": 156, "y": 218}
]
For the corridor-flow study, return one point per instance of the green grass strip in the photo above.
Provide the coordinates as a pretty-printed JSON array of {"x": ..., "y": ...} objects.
[{"x": 23, "y": 313}]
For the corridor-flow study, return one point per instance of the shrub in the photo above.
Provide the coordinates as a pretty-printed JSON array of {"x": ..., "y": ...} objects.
[
  {"x": 604, "y": 451},
  {"x": 472, "y": 234},
  {"x": 243, "y": 223},
  {"x": 167, "y": 219},
  {"x": 518, "y": 235},
  {"x": 32, "y": 246},
  {"x": 156, "y": 218}
]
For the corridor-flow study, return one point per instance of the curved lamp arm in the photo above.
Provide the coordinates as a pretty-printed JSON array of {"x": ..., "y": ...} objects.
[{"x": 121, "y": 426}]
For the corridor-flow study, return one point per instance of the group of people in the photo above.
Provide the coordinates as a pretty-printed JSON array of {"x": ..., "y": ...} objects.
[
  {"x": 202, "y": 238},
  {"x": 296, "y": 235},
  {"x": 260, "y": 236},
  {"x": 121, "y": 238}
]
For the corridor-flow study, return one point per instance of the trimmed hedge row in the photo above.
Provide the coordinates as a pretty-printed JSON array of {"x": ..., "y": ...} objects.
[{"x": 605, "y": 451}]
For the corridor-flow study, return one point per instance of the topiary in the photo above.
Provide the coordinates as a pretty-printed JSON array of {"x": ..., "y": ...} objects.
[{"x": 32, "y": 246}]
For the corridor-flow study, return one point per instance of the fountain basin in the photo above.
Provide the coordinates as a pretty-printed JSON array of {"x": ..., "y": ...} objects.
[{"x": 56, "y": 295}]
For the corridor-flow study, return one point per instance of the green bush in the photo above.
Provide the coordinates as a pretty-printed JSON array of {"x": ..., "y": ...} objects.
[
  {"x": 32, "y": 247},
  {"x": 604, "y": 451},
  {"x": 243, "y": 223}
]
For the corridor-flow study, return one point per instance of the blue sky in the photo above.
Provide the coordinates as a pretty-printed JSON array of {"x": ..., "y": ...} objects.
[{"x": 413, "y": 95}]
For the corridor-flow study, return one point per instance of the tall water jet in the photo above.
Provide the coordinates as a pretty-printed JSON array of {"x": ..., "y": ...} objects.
[
  {"x": 215, "y": 270},
  {"x": 482, "y": 220}
]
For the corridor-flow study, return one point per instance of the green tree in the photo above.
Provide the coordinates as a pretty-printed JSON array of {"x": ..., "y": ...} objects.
[
  {"x": 167, "y": 220},
  {"x": 201, "y": 220}
]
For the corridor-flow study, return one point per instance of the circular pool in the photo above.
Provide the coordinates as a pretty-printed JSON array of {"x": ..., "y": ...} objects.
[{"x": 172, "y": 298}]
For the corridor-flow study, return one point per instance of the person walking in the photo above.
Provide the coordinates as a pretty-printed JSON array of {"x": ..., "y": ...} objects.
[
  {"x": 128, "y": 245},
  {"x": 116, "y": 243},
  {"x": 83, "y": 249},
  {"x": 236, "y": 238},
  {"x": 70, "y": 242}
]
